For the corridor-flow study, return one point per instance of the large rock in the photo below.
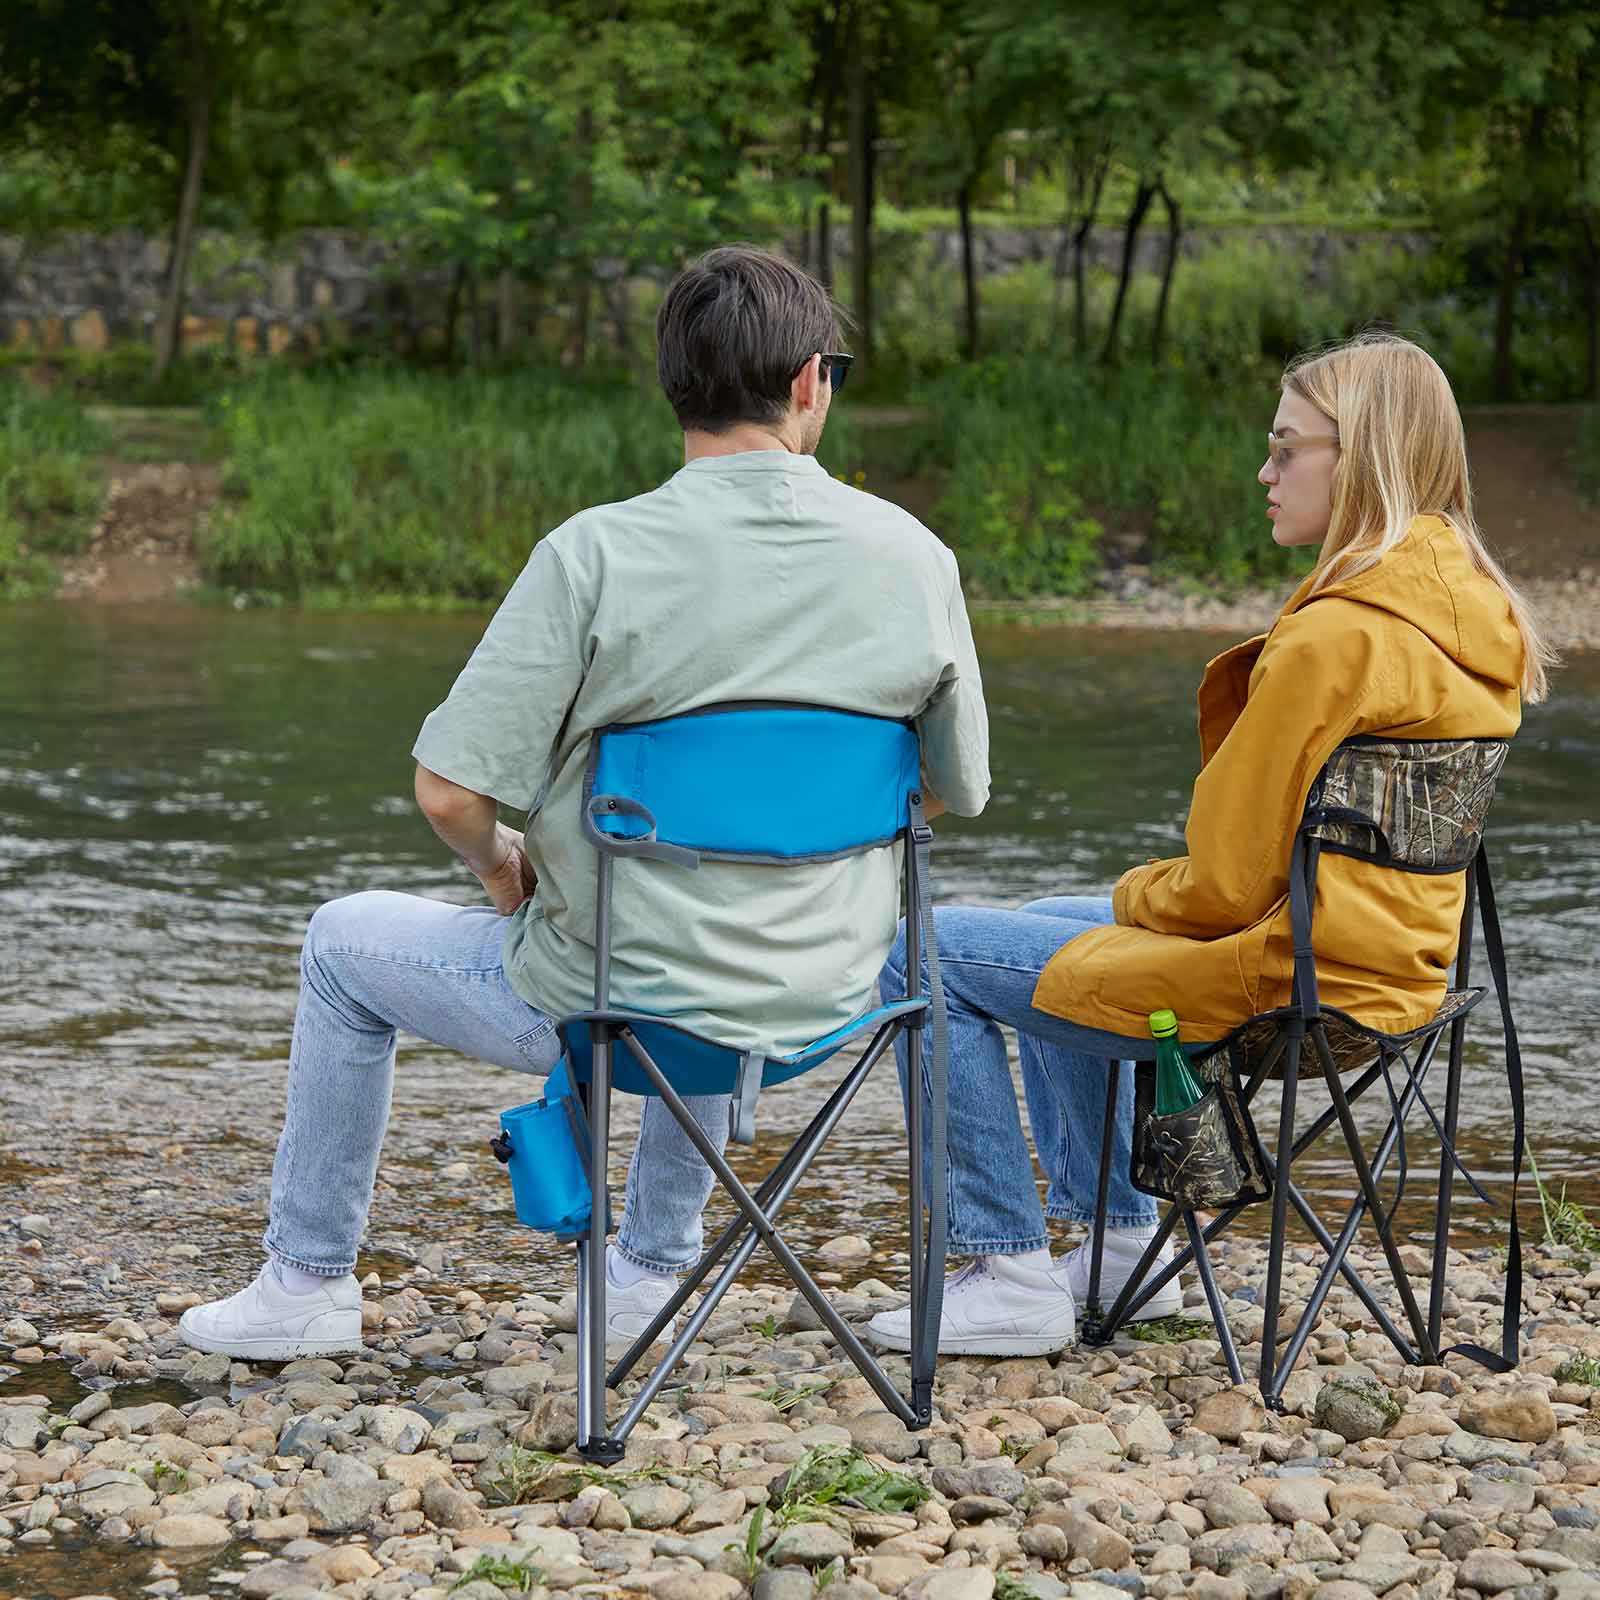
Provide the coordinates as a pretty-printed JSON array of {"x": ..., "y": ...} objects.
[
  {"x": 447, "y": 1505},
  {"x": 1490, "y": 1571},
  {"x": 655, "y": 1505},
  {"x": 229, "y": 1499},
  {"x": 342, "y": 1503},
  {"x": 182, "y": 1533},
  {"x": 1523, "y": 1414},
  {"x": 1229, "y": 1415},
  {"x": 1230, "y": 1506},
  {"x": 697, "y": 1586},
  {"x": 953, "y": 1583},
  {"x": 397, "y": 1428},
  {"x": 22, "y": 1427},
  {"x": 1356, "y": 1409},
  {"x": 554, "y": 1425},
  {"x": 882, "y": 1433},
  {"x": 157, "y": 1417},
  {"x": 113, "y": 1494},
  {"x": 809, "y": 1544}
]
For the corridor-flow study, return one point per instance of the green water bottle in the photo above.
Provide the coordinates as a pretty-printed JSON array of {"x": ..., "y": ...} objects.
[{"x": 1177, "y": 1088}]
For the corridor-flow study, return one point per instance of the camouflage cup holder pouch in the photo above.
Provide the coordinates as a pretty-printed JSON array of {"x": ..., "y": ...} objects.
[{"x": 1204, "y": 1158}]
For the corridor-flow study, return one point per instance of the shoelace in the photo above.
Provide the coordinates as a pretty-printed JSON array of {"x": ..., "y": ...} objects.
[{"x": 965, "y": 1275}]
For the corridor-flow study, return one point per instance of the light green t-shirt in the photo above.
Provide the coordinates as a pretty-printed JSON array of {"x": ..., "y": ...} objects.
[{"x": 754, "y": 576}]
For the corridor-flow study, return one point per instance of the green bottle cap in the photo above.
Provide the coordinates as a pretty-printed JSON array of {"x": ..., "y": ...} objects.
[{"x": 1163, "y": 1024}]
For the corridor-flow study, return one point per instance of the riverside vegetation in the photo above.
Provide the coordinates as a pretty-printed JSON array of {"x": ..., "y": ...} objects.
[{"x": 364, "y": 482}]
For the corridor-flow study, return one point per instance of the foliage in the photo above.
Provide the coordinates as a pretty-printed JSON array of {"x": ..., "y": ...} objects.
[
  {"x": 1030, "y": 444},
  {"x": 502, "y": 1570},
  {"x": 1170, "y": 1330},
  {"x": 49, "y": 489},
  {"x": 827, "y": 1476},
  {"x": 525, "y": 1475},
  {"x": 1583, "y": 1370},
  {"x": 1565, "y": 1222},
  {"x": 784, "y": 1398}
]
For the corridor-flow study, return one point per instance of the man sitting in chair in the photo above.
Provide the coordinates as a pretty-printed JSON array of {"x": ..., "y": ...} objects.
[{"x": 750, "y": 575}]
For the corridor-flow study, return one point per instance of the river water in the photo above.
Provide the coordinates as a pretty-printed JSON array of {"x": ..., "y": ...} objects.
[{"x": 180, "y": 788}]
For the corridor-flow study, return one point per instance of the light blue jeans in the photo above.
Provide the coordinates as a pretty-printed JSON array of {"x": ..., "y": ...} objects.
[
  {"x": 990, "y": 960},
  {"x": 376, "y": 962}
]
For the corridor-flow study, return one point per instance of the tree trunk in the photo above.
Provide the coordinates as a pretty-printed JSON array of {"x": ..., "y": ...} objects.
[
  {"x": 202, "y": 91},
  {"x": 577, "y": 351},
  {"x": 825, "y": 244},
  {"x": 861, "y": 195},
  {"x": 452, "y": 312},
  {"x": 1505, "y": 377},
  {"x": 1591, "y": 301},
  {"x": 474, "y": 323},
  {"x": 1168, "y": 267},
  {"x": 969, "y": 271},
  {"x": 1130, "y": 242},
  {"x": 505, "y": 312}
]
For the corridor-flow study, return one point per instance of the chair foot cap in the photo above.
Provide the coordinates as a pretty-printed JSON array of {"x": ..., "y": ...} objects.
[{"x": 604, "y": 1452}]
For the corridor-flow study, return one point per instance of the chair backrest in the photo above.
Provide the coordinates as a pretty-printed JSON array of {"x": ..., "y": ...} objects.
[
  {"x": 772, "y": 782},
  {"x": 766, "y": 782},
  {"x": 1416, "y": 804}
]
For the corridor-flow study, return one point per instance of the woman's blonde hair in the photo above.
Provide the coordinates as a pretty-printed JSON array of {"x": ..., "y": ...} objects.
[{"x": 1403, "y": 454}]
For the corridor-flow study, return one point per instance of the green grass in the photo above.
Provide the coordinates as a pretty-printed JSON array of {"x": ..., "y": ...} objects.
[
  {"x": 1565, "y": 1222},
  {"x": 541, "y": 1475},
  {"x": 49, "y": 487},
  {"x": 1583, "y": 1370},
  {"x": 828, "y": 1476},
  {"x": 1170, "y": 1330},
  {"x": 502, "y": 1570}
]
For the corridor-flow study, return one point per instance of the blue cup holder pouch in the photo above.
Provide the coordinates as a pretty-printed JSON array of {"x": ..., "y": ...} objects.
[{"x": 544, "y": 1147}]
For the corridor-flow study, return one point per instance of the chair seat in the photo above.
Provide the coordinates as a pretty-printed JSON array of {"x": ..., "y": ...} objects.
[
  {"x": 694, "y": 1062},
  {"x": 1352, "y": 1044}
]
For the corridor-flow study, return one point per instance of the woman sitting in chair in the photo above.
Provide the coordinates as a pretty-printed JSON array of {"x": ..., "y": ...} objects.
[{"x": 1406, "y": 627}]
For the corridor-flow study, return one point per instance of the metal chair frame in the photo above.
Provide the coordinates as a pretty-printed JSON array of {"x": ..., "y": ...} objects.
[
  {"x": 1304, "y": 1022},
  {"x": 610, "y": 1033}
]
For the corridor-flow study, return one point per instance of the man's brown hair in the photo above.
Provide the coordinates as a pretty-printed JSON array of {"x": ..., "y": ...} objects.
[{"x": 733, "y": 330}]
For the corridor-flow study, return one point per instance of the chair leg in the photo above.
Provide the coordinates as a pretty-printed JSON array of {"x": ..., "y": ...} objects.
[
  {"x": 1202, "y": 1265},
  {"x": 1447, "y": 1177},
  {"x": 1374, "y": 1200},
  {"x": 593, "y": 1442},
  {"x": 852, "y": 1346},
  {"x": 1097, "y": 1244},
  {"x": 1270, "y": 1388},
  {"x": 916, "y": 1225},
  {"x": 1102, "y": 1330}
]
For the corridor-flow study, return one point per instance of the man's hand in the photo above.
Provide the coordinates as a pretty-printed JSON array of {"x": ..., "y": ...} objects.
[
  {"x": 510, "y": 880},
  {"x": 491, "y": 851}
]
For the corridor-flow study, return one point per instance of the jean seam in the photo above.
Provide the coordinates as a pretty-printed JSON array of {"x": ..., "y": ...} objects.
[
  {"x": 397, "y": 961},
  {"x": 315, "y": 1270}
]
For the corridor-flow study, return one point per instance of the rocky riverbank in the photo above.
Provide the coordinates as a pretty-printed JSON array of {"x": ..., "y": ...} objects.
[
  {"x": 1568, "y": 607},
  {"x": 432, "y": 1466}
]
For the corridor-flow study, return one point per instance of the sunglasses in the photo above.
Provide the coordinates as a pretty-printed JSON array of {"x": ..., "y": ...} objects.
[
  {"x": 835, "y": 368},
  {"x": 1279, "y": 449}
]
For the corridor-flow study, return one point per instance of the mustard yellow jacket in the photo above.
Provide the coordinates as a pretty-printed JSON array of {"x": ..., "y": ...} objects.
[{"x": 1419, "y": 646}]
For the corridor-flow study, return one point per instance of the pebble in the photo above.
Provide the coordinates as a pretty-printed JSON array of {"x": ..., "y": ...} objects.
[{"x": 1130, "y": 1473}]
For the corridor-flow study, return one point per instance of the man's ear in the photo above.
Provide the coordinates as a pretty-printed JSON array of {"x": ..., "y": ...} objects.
[{"x": 804, "y": 392}]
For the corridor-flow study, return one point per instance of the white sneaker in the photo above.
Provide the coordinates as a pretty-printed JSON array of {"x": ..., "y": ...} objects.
[
  {"x": 631, "y": 1307},
  {"x": 992, "y": 1307},
  {"x": 1116, "y": 1267},
  {"x": 266, "y": 1323}
]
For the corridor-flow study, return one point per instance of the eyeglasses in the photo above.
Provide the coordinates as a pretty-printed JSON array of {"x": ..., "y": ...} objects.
[
  {"x": 835, "y": 368},
  {"x": 1278, "y": 448}
]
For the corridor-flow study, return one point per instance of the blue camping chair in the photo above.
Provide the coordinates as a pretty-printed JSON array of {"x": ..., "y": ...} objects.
[{"x": 783, "y": 785}]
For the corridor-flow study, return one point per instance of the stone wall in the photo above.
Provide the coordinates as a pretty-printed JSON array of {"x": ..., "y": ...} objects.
[
  {"x": 90, "y": 290},
  {"x": 333, "y": 285}
]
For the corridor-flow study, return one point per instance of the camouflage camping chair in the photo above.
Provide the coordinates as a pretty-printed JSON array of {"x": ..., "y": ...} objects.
[{"x": 1413, "y": 806}]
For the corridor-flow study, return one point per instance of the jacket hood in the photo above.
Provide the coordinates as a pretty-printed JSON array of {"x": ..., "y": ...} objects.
[{"x": 1429, "y": 580}]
